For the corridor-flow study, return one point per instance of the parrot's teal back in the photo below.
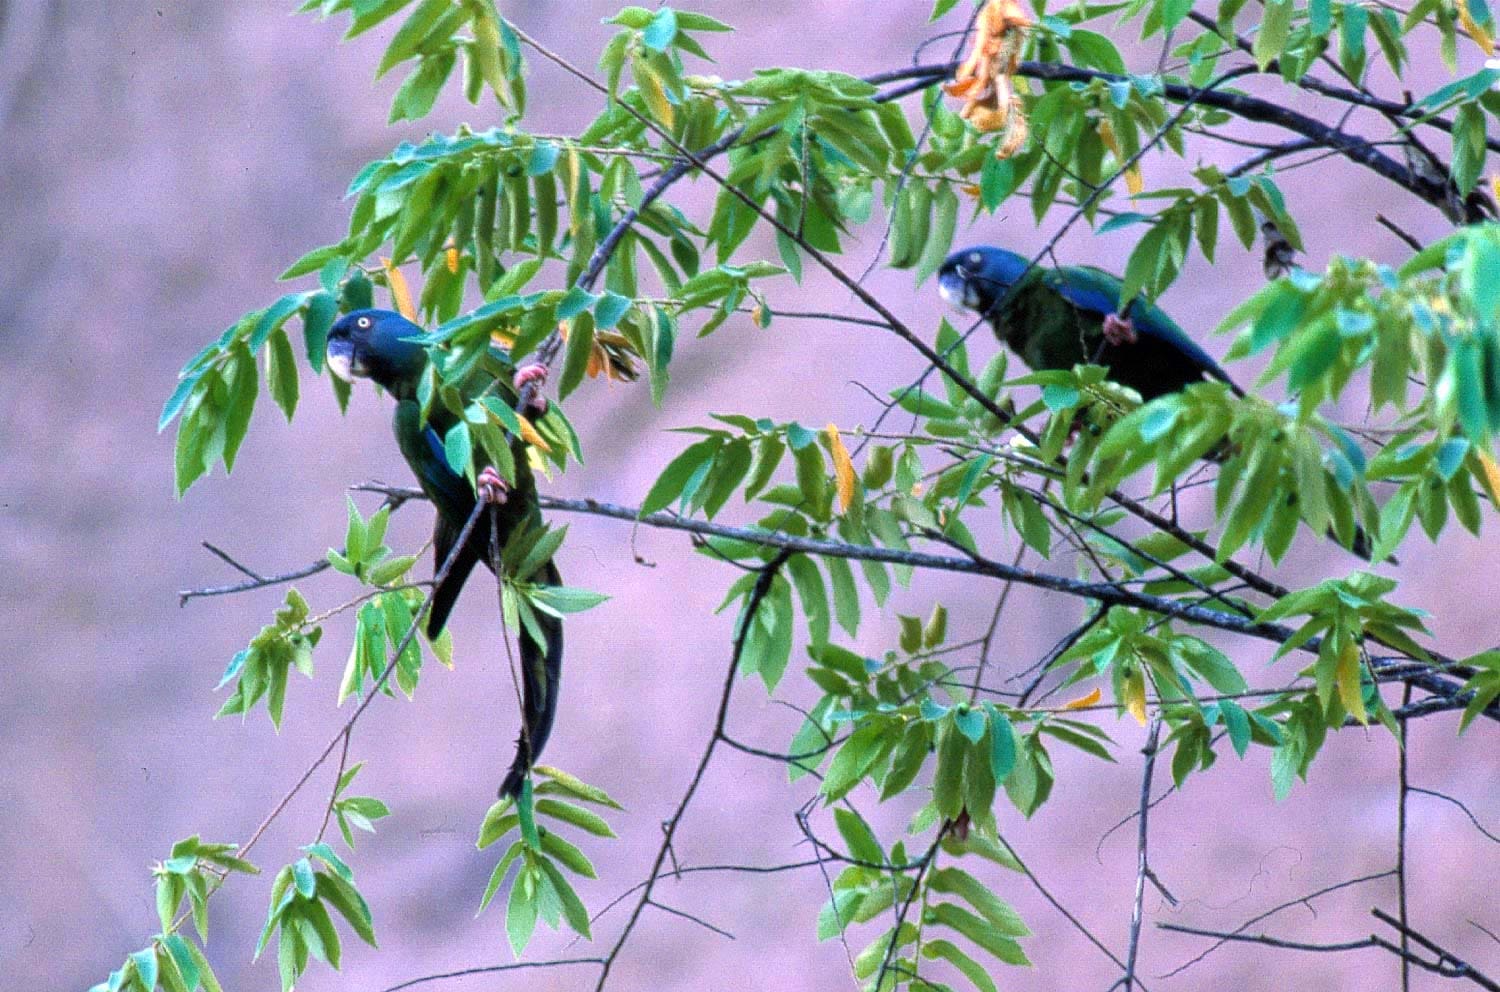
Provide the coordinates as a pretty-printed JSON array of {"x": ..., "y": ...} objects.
[{"x": 1054, "y": 319}]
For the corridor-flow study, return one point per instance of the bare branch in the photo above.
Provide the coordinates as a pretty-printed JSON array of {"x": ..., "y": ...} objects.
[
  {"x": 1063, "y": 910},
  {"x": 493, "y": 969},
  {"x": 1448, "y": 964},
  {"x": 260, "y": 582},
  {"x": 1239, "y": 930},
  {"x": 747, "y": 617},
  {"x": 1467, "y": 812},
  {"x": 670, "y": 911},
  {"x": 1143, "y": 867}
]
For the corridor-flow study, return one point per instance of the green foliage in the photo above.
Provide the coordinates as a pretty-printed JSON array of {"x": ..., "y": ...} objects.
[
  {"x": 539, "y": 889},
  {"x": 355, "y": 812},
  {"x": 301, "y": 897},
  {"x": 517, "y": 236},
  {"x": 262, "y": 669}
]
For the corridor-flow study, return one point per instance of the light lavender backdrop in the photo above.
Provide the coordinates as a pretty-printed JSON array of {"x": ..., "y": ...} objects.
[{"x": 160, "y": 164}]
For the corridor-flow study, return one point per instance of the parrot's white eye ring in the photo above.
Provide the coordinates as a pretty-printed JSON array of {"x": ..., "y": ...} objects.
[
  {"x": 975, "y": 258},
  {"x": 363, "y": 322}
]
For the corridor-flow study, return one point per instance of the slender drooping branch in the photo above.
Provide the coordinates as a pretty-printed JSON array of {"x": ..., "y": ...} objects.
[{"x": 758, "y": 594}]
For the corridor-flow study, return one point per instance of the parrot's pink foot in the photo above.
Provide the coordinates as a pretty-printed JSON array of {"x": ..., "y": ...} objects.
[
  {"x": 536, "y": 373},
  {"x": 492, "y": 489},
  {"x": 1119, "y": 330}
]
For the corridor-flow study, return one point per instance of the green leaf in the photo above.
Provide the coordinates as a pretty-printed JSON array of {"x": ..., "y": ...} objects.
[
  {"x": 573, "y": 908},
  {"x": 940, "y": 235},
  {"x": 980, "y": 931},
  {"x": 610, "y": 308},
  {"x": 560, "y": 781},
  {"x": 661, "y": 31},
  {"x": 1237, "y": 723},
  {"x": 577, "y": 816},
  {"x": 845, "y": 594},
  {"x": 576, "y": 302},
  {"x": 580, "y": 346},
  {"x": 1270, "y": 40},
  {"x": 458, "y": 449},
  {"x": 417, "y": 94},
  {"x": 862, "y": 842},
  {"x": 569, "y": 855},
  {"x": 321, "y": 310},
  {"x": 956, "y": 881},
  {"x": 967, "y": 966},
  {"x": 852, "y": 761},
  {"x": 281, "y": 373},
  {"x": 145, "y": 967},
  {"x": 1002, "y": 745},
  {"x": 1468, "y": 147},
  {"x": 669, "y": 485},
  {"x": 412, "y": 33},
  {"x": 521, "y": 910}
]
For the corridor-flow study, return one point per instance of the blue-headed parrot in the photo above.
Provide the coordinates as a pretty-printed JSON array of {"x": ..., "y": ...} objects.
[
  {"x": 1055, "y": 318},
  {"x": 1058, "y": 318},
  {"x": 379, "y": 345}
]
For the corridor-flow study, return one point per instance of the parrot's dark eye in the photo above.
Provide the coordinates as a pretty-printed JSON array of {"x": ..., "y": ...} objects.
[{"x": 363, "y": 323}]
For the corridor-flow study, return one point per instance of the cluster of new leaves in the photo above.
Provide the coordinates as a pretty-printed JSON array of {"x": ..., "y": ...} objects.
[
  {"x": 301, "y": 897},
  {"x": 513, "y": 231},
  {"x": 355, "y": 812},
  {"x": 174, "y": 963},
  {"x": 539, "y": 889}
]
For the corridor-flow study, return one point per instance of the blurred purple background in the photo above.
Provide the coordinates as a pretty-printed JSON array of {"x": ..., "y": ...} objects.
[{"x": 160, "y": 164}]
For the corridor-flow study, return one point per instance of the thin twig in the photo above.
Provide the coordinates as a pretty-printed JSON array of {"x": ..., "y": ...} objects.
[
  {"x": 747, "y": 618},
  {"x": 333, "y": 794},
  {"x": 1403, "y": 789},
  {"x": 1063, "y": 910},
  {"x": 1448, "y": 964},
  {"x": 492, "y": 969},
  {"x": 1467, "y": 812},
  {"x": 1398, "y": 231},
  {"x": 670, "y": 911},
  {"x": 1299, "y": 901},
  {"x": 1142, "y": 864},
  {"x": 185, "y": 595}
]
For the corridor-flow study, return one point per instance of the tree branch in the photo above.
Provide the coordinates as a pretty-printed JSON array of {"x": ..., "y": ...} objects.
[
  {"x": 1241, "y": 105},
  {"x": 1143, "y": 865},
  {"x": 742, "y": 632}
]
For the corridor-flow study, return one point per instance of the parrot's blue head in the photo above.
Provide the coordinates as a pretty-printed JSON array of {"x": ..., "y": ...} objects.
[
  {"x": 974, "y": 278},
  {"x": 371, "y": 344}
]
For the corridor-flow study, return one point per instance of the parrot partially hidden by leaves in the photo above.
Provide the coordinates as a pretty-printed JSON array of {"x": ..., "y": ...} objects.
[
  {"x": 1058, "y": 318},
  {"x": 379, "y": 345},
  {"x": 1055, "y": 318}
]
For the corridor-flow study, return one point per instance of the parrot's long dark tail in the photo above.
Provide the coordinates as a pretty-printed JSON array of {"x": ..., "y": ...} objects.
[{"x": 541, "y": 672}]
